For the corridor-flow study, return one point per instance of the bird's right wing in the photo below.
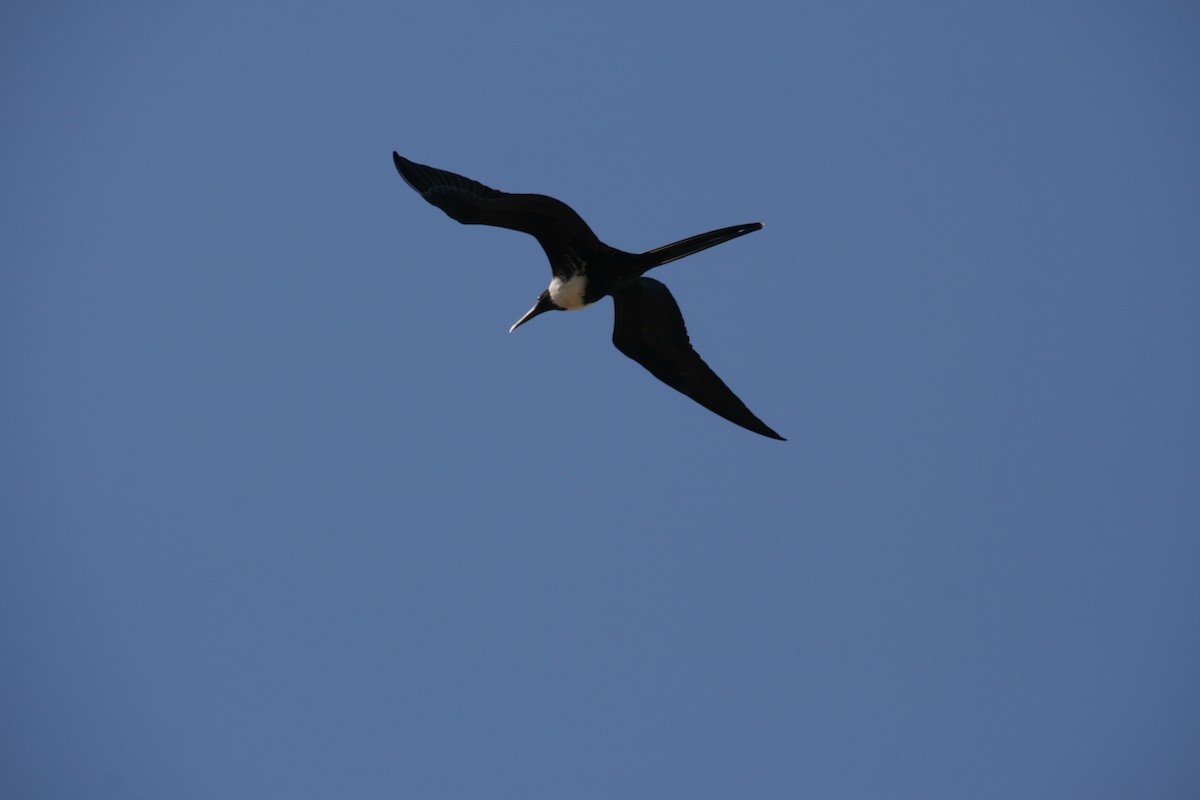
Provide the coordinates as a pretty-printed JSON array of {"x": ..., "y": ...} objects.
[{"x": 649, "y": 328}]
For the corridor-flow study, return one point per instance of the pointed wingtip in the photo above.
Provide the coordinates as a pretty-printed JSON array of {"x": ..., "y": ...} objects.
[{"x": 763, "y": 429}]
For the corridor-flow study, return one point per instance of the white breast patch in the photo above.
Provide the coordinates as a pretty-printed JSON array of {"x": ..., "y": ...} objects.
[{"x": 568, "y": 294}]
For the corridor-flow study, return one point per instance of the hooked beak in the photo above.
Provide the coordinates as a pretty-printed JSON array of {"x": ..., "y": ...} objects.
[{"x": 544, "y": 303}]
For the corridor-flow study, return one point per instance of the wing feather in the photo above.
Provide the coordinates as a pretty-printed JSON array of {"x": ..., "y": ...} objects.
[
  {"x": 649, "y": 328},
  {"x": 563, "y": 234}
]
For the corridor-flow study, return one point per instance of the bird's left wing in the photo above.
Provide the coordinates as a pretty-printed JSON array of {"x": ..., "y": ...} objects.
[{"x": 560, "y": 230}]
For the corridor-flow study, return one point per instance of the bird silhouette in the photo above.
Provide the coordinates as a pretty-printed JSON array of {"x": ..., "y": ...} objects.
[{"x": 648, "y": 325}]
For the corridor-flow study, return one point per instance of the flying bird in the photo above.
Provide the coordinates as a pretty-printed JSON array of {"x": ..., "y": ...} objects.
[{"x": 648, "y": 325}]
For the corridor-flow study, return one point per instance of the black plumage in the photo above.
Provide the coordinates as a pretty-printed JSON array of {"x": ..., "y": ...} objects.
[{"x": 648, "y": 326}]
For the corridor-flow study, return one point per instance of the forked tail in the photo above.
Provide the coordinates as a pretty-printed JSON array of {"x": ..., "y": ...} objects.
[{"x": 693, "y": 244}]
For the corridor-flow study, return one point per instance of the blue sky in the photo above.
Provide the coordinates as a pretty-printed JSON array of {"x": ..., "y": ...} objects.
[{"x": 288, "y": 513}]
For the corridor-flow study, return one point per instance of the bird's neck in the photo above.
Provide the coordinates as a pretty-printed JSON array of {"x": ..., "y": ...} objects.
[{"x": 569, "y": 293}]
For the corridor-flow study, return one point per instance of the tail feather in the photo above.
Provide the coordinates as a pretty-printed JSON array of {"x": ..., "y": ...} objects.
[{"x": 694, "y": 244}]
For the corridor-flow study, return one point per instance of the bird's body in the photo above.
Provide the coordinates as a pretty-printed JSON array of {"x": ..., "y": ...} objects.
[{"x": 648, "y": 325}]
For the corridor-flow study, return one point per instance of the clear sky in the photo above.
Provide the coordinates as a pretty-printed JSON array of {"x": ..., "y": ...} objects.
[{"x": 287, "y": 513}]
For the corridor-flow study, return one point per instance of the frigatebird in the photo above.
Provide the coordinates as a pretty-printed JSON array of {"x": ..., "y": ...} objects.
[{"x": 648, "y": 325}]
